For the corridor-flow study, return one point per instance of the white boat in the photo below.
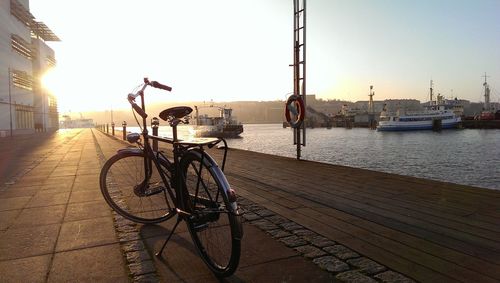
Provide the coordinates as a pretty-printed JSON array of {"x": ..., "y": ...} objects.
[
  {"x": 437, "y": 115},
  {"x": 223, "y": 125},
  {"x": 422, "y": 120}
]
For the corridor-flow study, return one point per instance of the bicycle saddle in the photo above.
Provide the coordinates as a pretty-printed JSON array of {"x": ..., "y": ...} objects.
[{"x": 175, "y": 112}]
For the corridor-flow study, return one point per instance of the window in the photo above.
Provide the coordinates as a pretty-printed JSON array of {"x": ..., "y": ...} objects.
[
  {"x": 24, "y": 117},
  {"x": 21, "y": 13},
  {"x": 20, "y": 46},
  {"x": 22, "y": 80},
  {"x": 51, "y": 61}
]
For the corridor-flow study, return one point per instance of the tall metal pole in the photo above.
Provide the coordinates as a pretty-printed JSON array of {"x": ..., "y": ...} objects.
[
  {"x": 10, "y": 105},
  {"x": 299, "y": 66}
]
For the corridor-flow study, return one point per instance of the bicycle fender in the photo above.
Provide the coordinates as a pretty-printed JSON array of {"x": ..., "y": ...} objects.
[
  {"x": 212, "y": 165},
  {"x": 129, "y": 149},
  {"x": 224, "y": 184}
]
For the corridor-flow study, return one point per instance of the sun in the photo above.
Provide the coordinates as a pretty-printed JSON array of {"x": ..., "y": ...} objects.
[{"x": 49, "y": 80}]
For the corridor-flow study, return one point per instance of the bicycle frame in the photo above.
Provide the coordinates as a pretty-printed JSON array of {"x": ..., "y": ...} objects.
[{"x": 176, "y": 176}]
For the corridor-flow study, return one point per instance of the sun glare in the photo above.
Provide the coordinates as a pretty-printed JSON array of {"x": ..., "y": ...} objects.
[{"x": 49, "y": 80}]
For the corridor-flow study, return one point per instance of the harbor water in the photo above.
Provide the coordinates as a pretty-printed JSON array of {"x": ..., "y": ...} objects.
[{"x": 469, "y": 156}]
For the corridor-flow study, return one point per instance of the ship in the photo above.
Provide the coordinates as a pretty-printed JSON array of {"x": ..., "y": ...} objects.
[
  {"x": 436, "y": 116},
  {"x": 224, "y": 125},
  {"x": 68, "y": 123}
]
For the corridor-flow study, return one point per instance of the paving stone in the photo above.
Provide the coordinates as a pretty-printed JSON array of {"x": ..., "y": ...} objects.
[
  {"x": 147, "y": 278},
  {"x": 254, "y": 207},
  {"x": 341, "y": 252},
  {"x": 310, "y": 251},
  {"x": 303, "y": 232},
  {"x": 86, "y": 233},
  {"x": 278, "y": 233},
  {"x": 137, "y": 256},
  {"x": 250, "y": 216},
  {"x": 293, "y": 241},
  {"x": 96, "y": 264},
  {"x": 130, "y": 236},
  {"x": 243, "y": 201},
  {"x": 265, "y": 225},
  {"x": 319, "y": 241},
  {"x": 142, "y": 268},
  {"x": 331, "y": 264},
  {"x": 277, "y": 219},
  {"x": 120, "y": 221},
  {"x": 126, "y": 229},
  {"x": 264, "y": 212},
  {"x": 31, "y": 216},
  {"x": 28, "y": 241},
  {"x": 366, "y": 265},
  {"x": 393, "y": 277},
  {"x": 28, "y": 269},
  {"x": 290, "y": 226},
  {"x": 354, "y": 276},
  {"x": 86, "y": 210},
  {"x": 133, "y": 246},
  {"x": 14, "y": 203},
  {"x": 7, "y": 218}
]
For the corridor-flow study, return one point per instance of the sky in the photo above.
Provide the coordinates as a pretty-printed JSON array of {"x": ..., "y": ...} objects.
[{"x": 240, "y": 50}]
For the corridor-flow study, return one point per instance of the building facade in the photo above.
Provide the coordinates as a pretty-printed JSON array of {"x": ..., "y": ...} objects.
[{"x": 25, "y": 105}]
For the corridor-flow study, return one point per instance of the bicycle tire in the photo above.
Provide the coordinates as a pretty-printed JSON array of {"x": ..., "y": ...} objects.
[
  {"x": 214, "y": 226},
  {"x": 120, "y": 181}
]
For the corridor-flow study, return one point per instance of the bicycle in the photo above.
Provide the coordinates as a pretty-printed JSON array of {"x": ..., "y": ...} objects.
[{"x": 145, "y": 186}]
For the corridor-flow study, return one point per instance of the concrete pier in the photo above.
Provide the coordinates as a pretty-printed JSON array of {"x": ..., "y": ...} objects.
[{"x": 305, "y": 221}]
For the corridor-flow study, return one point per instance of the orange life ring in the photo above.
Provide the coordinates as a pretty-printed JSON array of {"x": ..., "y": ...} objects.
[{"x": 294, "y": 111}]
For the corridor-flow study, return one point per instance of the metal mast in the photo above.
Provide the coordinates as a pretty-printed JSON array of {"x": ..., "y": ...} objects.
[
  {"x": 371, "y": 109},
  {"x": 299, "y": 66},
  {"x": 431, "y": 93},
  {"x": 486, "y": 93}
]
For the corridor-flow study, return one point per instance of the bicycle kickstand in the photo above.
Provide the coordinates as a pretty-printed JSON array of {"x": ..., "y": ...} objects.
[{"x": 158, "y": 254}]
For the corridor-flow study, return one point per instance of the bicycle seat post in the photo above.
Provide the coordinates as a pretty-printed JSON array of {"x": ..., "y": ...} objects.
[
  {"x": 173, "y": 123},
  {"x": 174, "y": 132}
]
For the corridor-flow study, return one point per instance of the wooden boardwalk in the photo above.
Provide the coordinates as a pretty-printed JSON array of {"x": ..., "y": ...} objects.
[{"x": 430, "y": 231}]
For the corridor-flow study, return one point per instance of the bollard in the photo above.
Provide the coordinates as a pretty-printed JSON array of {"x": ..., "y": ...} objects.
[
  {"x": 113, "y": 128},
  {"x": 124, "y": 124},
  {"x": 107, "y": 128},
  {"x": 155, "y": 124}
]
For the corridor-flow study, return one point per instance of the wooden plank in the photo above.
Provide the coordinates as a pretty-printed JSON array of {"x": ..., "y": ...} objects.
[
  {"x": 449, "y": 255},
  {"x": 378, "y": 248},
  {"x": 437, "y": 195},
  {"x": 451, "y": 238}
]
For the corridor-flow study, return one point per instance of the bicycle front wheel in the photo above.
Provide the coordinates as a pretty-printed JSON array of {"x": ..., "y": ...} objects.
[
  {"x": 131, "y": 193},
  {"x": 214, "y": 226}
]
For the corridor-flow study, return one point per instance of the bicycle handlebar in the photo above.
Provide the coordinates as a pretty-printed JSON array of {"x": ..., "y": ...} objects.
[
  {"x": 160, "y": 86},
  {"x": 131, "y": 97}
]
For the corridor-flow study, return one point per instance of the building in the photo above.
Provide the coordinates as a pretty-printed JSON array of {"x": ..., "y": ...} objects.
[{"x": 25, "y": 105}]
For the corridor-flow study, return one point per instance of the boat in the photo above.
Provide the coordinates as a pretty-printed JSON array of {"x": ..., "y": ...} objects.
[
  {"x": 421, "y": 120},
  {"x": 435, "y": 116},
  {"x": 223, "y": 125},
  {"x": 488, "y": 112}
]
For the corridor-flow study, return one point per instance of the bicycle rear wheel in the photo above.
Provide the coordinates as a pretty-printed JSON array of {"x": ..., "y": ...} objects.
[
  {"x": 214, "y": 226},
  {"x": 130, "y": 193}
]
